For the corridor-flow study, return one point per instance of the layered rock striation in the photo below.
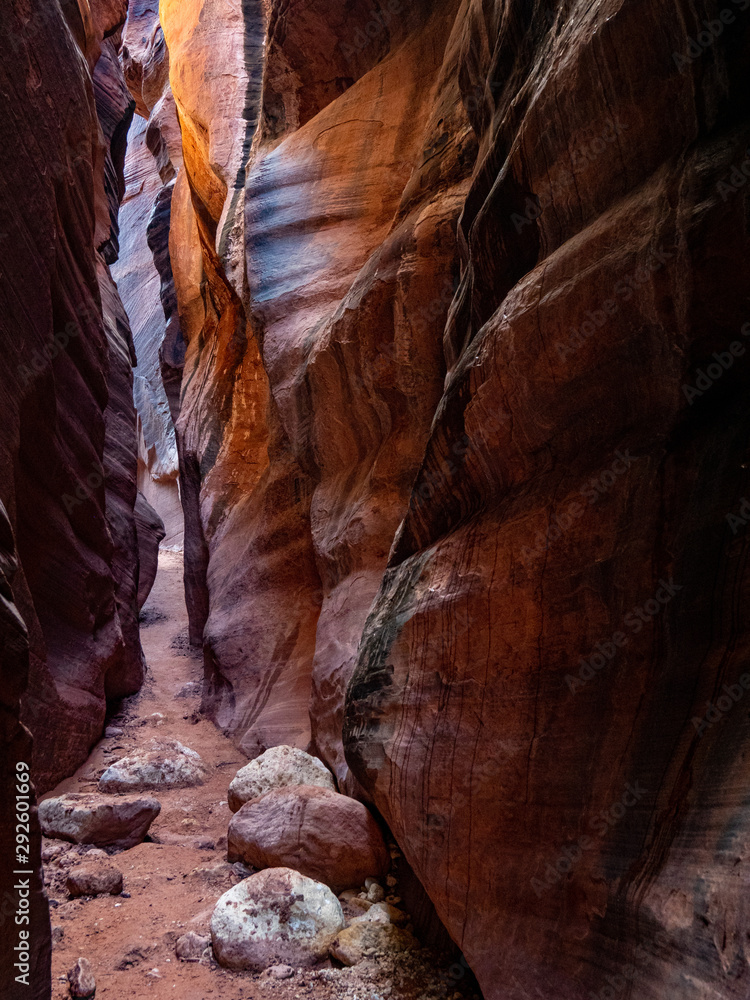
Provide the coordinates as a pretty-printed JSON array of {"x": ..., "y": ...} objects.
[
  {"x": 68, "y": 451},
  {"x": 450, "y": 278},
  {"x": 143, "y": 271}
]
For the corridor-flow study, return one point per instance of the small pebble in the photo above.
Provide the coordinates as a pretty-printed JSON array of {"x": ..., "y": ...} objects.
[
  {"x": 81, "y": 979},
  {"x": 280, "y": 972},
  {"x": 376, "y": 893}
]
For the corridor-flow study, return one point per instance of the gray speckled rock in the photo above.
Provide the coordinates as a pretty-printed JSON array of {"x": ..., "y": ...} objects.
[
  {"x": 93, "y": 819},
  {"x": 277, "y": 768},
  {"x": 160, "y": 764},
  {"x": 275, "y": 917}
]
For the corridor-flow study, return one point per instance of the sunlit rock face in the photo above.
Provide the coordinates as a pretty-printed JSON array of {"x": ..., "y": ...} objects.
[
  {"x": 67, "y": 458},
  {"x": 450, "y": 280},
  {"x": 143, "y": 271},
  {"x": 313, "y": 368}
]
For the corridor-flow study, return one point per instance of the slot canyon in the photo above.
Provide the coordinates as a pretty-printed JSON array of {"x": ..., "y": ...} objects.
[{"x": 375, "y": 499}]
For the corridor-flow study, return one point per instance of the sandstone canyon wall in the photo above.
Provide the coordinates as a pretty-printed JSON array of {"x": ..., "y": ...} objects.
[
  {"x": 143, "y": 270},
  {"x": 68, "y": 458},
  {"x": 440, "y": 309},
  {"x": 446, "y": 274}
]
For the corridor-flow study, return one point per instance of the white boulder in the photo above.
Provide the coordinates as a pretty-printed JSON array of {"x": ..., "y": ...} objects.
[
  {"x": 159, "y": 765},
  {"x": 276, "y": 917},
  {"x": 277, "y": 768}
]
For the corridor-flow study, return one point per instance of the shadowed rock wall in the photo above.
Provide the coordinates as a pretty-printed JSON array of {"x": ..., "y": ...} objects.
[
  {"x": 67, "y": 458},
  {"x": 451, "y": 277}
]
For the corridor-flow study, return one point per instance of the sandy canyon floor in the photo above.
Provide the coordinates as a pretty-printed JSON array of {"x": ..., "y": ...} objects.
[{"x": 173, "y": 880}]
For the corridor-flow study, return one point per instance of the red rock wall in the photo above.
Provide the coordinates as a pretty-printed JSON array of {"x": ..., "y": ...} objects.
[
  {"x": 566, "y": 593},
  {"x": 67, "y": 459},
  {"x": 443, "y": 275},
  {"x": 143, "y": 271}
]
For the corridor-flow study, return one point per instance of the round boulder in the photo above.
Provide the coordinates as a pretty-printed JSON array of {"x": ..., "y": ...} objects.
[
  {"x": 160, "y": 764},
  {"x": 87, "y": 818},
  {"x": 324, "y": 835},
  {"x": 276, "y": 917},
  {"x": 278, "y": 767}
]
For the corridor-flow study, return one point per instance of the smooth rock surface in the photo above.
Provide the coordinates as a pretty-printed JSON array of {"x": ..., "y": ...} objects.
[
  {"x": 88, "y": 818},
  {"x": 160, "y": 764},
  {"x": 275, "y": 917},
  {"x": 276, "y": 768},
  {"x": 324, "y": 835},
  {"x": 150, "y": 531}
]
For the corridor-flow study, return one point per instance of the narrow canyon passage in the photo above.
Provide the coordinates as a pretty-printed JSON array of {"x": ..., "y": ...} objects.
[
  {"x": 171, "y": 882},
  {"x": 408, "y": 341}
]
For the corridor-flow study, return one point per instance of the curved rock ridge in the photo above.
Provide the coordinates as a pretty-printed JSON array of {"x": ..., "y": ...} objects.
[{"x": 348, "y": 216}]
